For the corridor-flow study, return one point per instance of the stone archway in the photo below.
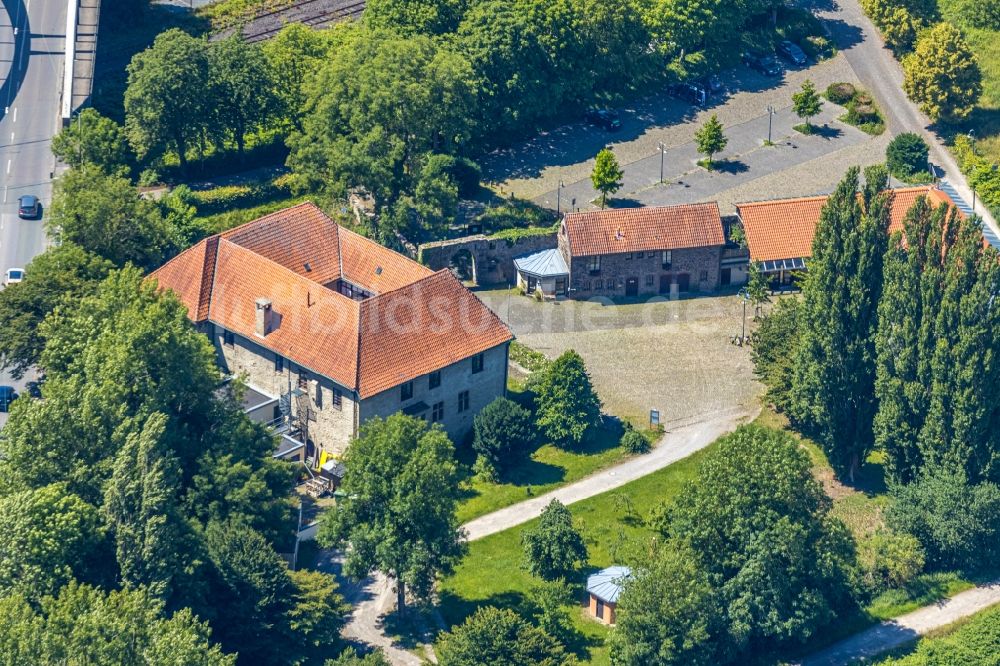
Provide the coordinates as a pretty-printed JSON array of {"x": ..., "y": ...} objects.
[{"x": 463, "y": 266}]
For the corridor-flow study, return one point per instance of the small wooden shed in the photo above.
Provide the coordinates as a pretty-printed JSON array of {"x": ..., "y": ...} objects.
[{"x": 603, "y": 590}]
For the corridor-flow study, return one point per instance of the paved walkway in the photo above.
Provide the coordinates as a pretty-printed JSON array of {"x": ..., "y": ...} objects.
[
  {"x": 677, "y": 444},
  {"x": 906, "y": 628}
]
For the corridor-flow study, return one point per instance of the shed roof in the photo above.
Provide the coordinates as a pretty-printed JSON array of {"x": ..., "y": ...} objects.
[
  {"x": 607, "y": 584},
  {"x": 547, "y": 263}
]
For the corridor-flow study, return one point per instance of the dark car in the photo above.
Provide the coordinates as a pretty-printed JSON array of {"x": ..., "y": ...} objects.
[
  {"x": 7, "y": 396},
  {"x": 793, "y": 53},
  {"x": 692, "y": 93},
  {"x": 34, "y": 389},
  {"x": 764, "y": 63},
  {"x": 712, "y": 83},
  {"x": 28, "y": 207},
  {"x": 605, "y": 118}
]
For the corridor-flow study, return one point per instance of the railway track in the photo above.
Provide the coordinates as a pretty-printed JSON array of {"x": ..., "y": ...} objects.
[{"x": 314, "y": 13}]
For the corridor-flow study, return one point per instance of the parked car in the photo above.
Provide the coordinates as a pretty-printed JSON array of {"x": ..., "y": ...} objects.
[
  {"x": 7, "y": 396},
  {"x": 692, "y": 93},
  {"x": 764, "y": 63},
  {"x": 712, "y": 83},
  {"x": 793, "y": 53},
  {"x": 28, "y": 207},
  {"x": 13, "y": 276},
  {"x": 34, "y": 388},
  {"x": 605, "y": 118}
]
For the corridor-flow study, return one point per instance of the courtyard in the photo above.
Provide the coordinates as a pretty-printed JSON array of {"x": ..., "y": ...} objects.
[{"x": 673, "y": 356}]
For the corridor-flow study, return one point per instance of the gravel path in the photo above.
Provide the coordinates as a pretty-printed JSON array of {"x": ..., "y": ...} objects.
[{"x": 906, "y": 628}]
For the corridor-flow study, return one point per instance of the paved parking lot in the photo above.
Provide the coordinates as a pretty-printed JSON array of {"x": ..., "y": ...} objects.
[
  {"x": 674, "y": 356},
  {"x": 811, "y": 164}
]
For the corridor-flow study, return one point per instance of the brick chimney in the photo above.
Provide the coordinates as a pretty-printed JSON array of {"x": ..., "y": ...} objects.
[{"x": 263, "y": 319}]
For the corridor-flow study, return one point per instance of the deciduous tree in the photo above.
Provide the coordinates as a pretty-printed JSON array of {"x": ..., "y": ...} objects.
[
  {"x": 711, "y": 138},
  {"x": 63, "y": 273},
  {"x": 567, "y": 408},
  {"x": 553, "y": 549},
  {"x": 668, "y": 614},
  {"x": 758, "y": 524},
  {"x": 90, "y": 138},
  {"x": 241, "y": 82},
  {"x": 293, "y": 56},
  {"x": 498, "y": 637},
  {"x": 104, "y": 214},
  {"x": 398, "y": 517},
  {"x": 502, "y": 432},
  {"x": 807, "y": 102},
  {"x": 607, "y": 175},
  {"x": 942, "y": 74},
  {"x": 168, "y": 105}
]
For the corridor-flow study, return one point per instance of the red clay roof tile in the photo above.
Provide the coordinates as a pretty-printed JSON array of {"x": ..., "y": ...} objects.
[
  {"x": 418, "y": 322},
  {"x": 784, "y": 228},
  {"x": 619, "y": 230}
]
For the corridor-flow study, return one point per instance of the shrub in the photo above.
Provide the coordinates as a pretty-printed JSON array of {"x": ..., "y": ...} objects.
[
  {"x": 957, "y": 524},
  {"x": 887, "y": 560},
  {"x": 499, "y": 636},
  {"x": 841, "y": 93},
  {"x": 900, "y": 29},
  {"x": 907, "y": 155},
  {"x": 502, "y": 432},
  {"x": 634, "y": 442},
  {"x": 553, "y": 548}
]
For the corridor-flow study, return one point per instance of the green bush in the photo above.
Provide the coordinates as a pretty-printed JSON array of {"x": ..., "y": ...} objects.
[
  {"x": 228, "y": 197},
  {"x": 841, "y": 93},
  {"x": 528, "y": 358},
  {"x": 502, "y": 433},
  {"x": 907, "y": 155},
  {"x": 888, "y": 560},
  {"x": 634, "y": 442},
  {"x": 958, "y": 524}
]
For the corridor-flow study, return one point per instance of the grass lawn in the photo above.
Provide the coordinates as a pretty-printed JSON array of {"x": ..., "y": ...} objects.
[
  {"x": 985, "y": 120},
  {"x": 492, "y": 573},
  {"x": 976, "y": 633}
]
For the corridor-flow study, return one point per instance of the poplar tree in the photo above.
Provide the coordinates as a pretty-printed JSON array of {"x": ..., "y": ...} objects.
[{"x": 834, "y": 382}]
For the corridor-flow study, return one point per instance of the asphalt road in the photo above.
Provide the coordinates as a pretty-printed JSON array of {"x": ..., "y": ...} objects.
[
  {"x": 33, "y": 64},
  {"x": 32, "y": 43}
]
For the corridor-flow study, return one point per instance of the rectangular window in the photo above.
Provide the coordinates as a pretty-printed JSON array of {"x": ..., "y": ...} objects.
[
  {"x": 463, "y": 401},
  {"x": 228, "y": 338},
  {"x": 319, "y": 396},
  {"x": 477, "y": 363},
  {"x": 598, "y": 285},
  {"x": 649, "y": 280},
  {"x": 338, "y": 399},
  {"x": 279, "y": 363},
  {"x": 704, "y": 276},
  {"x": 437, "y": 413},
  {"x": 628, "y": 255},
  {"x": 405, "y": 391},
  {"x": 434, "y": 379},
  {"x": 594, "y": 265},
  {"x": 668, "y": 258},
  {"x": 303, "y": 378}
]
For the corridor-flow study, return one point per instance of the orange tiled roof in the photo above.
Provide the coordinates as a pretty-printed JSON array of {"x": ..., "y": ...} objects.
[
  {"x": 613, "y": 231},
  {"x": 418, "y": 321},
  {"x": 784, "y": 228}
]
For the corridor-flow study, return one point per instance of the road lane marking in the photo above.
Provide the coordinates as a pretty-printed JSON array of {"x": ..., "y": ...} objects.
[
  {"x": 8, "y": 166},
  {"x": 15, "y": 114}
]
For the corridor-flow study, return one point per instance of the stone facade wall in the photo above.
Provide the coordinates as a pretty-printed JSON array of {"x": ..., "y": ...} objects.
[
  {"x": 329, "y": 428},
  {"x": 332, "y": 429},
  {"x": 483, "y": 388},
  {"x": 493, "y": 260},
  {"x": 701, "y": 265}
]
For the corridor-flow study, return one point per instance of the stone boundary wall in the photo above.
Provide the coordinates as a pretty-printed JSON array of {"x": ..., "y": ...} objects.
[{"x": 492, "y": 259}]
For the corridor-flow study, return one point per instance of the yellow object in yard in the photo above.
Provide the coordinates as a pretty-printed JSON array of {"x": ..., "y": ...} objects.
[{"x": 322, "y": 459}]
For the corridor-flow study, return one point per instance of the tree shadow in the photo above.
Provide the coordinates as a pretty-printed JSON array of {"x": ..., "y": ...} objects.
[
  {"x": 454, "y": 609},
  {"x": 730, "y": 166},
  {"x": 624, "y": 202},
  {"x": 530, "y": 472},
  {"x": 827, "y": 132}
]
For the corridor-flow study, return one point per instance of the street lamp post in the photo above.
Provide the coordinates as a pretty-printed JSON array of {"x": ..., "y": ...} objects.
[
  {"x": 744, "y": 294},
  {"x": 559, "y": 198},
  {"x": 662, "y": 150},
  {"x": 770, "y": 115}
]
